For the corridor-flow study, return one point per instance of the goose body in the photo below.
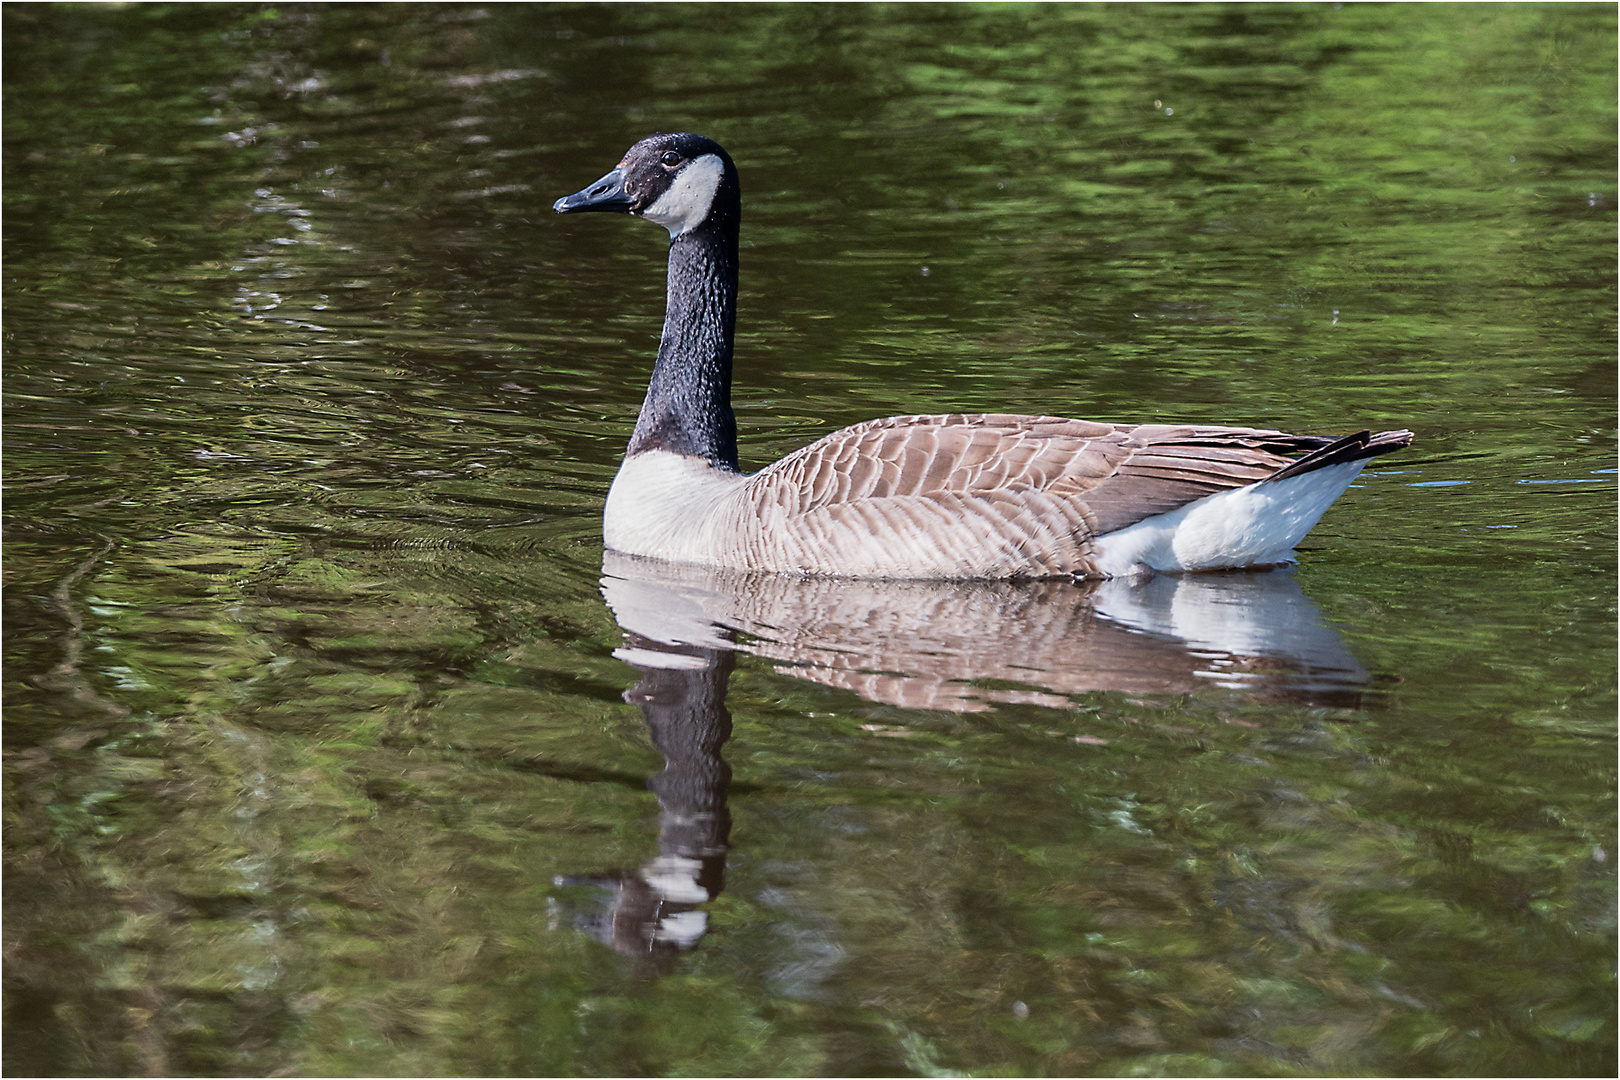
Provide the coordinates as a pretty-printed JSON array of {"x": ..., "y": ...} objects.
[{"x": 944, "y": 496}]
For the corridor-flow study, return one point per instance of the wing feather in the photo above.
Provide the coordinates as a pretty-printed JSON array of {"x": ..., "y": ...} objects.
[{"x": 990, "y": 493}]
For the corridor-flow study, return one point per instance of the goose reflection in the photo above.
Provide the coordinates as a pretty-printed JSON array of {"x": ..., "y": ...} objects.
[
  {"x": 935, "y": 645},
  {"x": 959, "y": 646}
]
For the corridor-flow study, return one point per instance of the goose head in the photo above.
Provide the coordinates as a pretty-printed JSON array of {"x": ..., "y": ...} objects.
[{"x": 682, "y": 181}]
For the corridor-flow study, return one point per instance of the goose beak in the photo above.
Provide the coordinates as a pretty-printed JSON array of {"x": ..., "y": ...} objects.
[{"x": 607, "y": 194}]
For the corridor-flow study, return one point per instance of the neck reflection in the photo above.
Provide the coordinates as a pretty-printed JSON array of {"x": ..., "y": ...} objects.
[{"x": 655, "y": 910}]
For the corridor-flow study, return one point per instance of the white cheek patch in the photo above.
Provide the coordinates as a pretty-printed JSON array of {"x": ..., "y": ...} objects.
[{"x": 687, "y": 202}]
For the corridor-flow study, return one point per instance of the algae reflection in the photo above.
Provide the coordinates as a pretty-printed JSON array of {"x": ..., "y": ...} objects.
[{"x": 955, "y": 646}]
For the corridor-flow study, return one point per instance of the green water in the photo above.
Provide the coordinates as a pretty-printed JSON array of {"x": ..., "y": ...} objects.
[{"x": 327, "y": 752}]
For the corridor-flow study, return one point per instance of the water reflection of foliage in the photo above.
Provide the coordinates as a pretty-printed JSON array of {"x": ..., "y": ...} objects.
[{"x": 295, "y": 851}]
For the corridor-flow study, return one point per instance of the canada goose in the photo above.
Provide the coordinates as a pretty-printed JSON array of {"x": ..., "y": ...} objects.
[{"x": 958, "y": 496}]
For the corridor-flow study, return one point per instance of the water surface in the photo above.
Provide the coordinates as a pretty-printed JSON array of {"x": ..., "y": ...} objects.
[{"x": 332, "y": 747}]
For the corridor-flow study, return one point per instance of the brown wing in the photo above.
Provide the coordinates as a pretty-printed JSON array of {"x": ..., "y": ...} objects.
[
  {"x": 1119, "y": 473},
  {"x": 992, "y": 495}
]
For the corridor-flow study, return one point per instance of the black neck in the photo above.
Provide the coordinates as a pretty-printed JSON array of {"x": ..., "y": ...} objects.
[{"x": 688, "y": 405}]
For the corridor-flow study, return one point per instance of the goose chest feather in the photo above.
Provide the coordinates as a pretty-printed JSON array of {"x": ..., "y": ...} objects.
[{"x": 978, "y": 495}]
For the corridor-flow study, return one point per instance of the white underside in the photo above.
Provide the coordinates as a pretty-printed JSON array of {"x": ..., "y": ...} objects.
[
  {"x": 682, "y": 509},
  {"x": 1256, "y": 525}
]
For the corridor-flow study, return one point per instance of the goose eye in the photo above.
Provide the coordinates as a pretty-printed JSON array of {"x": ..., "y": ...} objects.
[{"x": 671, "y": 158}]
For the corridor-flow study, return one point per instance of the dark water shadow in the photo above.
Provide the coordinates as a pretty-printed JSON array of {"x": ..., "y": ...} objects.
[{"x": 958, "y": 646}]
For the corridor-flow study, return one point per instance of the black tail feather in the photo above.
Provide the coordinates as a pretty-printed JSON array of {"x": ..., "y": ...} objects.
[{"x": 1363, "y": 444}]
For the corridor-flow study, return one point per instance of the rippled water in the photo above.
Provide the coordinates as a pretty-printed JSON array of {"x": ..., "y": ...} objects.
[{"x": 332, "y": 747}]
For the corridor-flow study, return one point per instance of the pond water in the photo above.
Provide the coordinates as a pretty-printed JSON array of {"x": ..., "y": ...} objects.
[{"x": 333, "y": 747}]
